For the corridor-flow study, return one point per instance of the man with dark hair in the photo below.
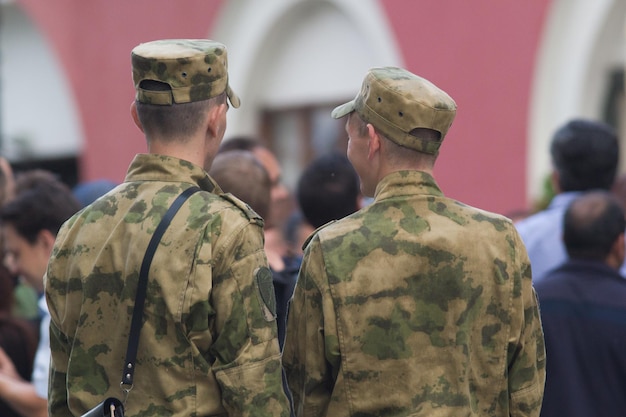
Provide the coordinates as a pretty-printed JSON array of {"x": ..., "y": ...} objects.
[
  {"x": 208, "y": 344},
  {"x": 30, "y": 222},
  {"x": 585, "y": 156},
  {"x": 416, "y": 304},
  {"x": 328, "y": 189},
  {"x": 583, "y": 311}
]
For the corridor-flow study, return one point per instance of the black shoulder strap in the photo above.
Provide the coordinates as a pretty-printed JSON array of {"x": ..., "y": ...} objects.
[{"x": 140, "y": 297}]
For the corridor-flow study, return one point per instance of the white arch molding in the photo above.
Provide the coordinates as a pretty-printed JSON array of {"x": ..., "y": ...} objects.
[
  {"x": 39, "y": 118},
  {"x": 583, "y": 41},
  {"x": 297, "y": 52}
]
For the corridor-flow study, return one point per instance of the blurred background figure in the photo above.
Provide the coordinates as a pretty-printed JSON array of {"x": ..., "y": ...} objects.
[
  {"x": 583, "y": 311},
  {"x": 24, "y": 296},
  {"x": 16, "y": 333},
  {"x": 30, "y": 222},
  {"x": 18, "y": 336},
  {"x": 241, "y": 174},
  {"x": 18, "y": 340},
  {"x": 282, "y": 202},
  {"x": 585, "y": 156},
  {"x": 328, "y": 189}
]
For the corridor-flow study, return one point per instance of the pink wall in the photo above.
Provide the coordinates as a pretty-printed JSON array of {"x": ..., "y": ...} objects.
[
  {"x": 93, "y": 40},
  {"x": 482, "y": 52}
]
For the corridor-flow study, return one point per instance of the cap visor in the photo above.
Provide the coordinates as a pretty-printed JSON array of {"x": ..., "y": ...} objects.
[
  {"x": 342, "y": 110},
  {"x": 232, "y": 97}
]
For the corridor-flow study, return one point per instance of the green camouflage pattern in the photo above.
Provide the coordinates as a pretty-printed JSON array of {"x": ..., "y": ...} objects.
[
  {"x": 396, "y": 101},
  {"x": 417, "y": 305},
  {"x": 209, "y": 343},
  {"x": 195, "y": 69}
]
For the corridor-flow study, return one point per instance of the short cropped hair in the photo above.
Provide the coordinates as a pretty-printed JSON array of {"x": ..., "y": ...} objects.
[
  {"x": 395, "y": 151},
  {"x": 328, "y": 189},
  {"x": 592, "y": 223},
  {"x": 585, "y": 153},
  {"x": 177, "y": 120}
]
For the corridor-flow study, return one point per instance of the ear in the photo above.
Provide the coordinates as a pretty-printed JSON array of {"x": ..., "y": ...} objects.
[
  {"x": 374, "y": 141},
  {"x": 133, "y": 113},
  {"x": 214, "y": 117}
]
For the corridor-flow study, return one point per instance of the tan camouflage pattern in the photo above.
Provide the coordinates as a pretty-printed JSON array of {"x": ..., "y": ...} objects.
[
  {"x": 209, "y": 343},
  {"x": 195, "y": 69},
  {"x": 416, "y": 305},
  {"x": 396, "y": 101}
]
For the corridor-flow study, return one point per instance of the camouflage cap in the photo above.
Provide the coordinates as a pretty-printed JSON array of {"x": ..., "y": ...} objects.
[
  {"x": 396, "y": 101},
  {"x": 195, "y": 70}
]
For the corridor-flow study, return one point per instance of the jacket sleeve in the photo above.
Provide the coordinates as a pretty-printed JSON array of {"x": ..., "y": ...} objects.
[
  {"x": 247, "y": 362},
  {"x": 526, "y": 354},
  {"x": 57, "y": 391},
  {"x": 59, "y": 344},
  {"x": 311, "y": 356}
]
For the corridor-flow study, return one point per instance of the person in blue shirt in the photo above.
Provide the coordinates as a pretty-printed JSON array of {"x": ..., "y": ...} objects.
[
  {"x": 583, "y": 311},
  {"x": 585, "y": 156}
]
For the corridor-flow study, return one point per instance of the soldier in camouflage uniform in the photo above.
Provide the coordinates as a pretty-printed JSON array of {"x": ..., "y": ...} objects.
[
  {"x": 209, "y": 344},
  {"x": 416, "y": 305}
]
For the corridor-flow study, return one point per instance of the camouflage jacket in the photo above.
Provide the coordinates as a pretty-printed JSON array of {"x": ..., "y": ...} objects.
[
  {"x": 209, "y": 343},
  {"x": 416, "y": 305}
]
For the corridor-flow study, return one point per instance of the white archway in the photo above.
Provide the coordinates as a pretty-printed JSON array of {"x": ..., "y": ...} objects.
[
  {"x": 583, "y": 41},
  {"x": 294, "y": 52},
  {"x": 38, "y": 115}
]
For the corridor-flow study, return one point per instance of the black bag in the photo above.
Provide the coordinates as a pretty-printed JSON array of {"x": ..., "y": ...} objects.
[{"x": 111, "y": 407}]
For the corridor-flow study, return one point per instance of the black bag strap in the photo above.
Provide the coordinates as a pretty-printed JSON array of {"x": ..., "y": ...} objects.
[{"x": 142, "y": 284}]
